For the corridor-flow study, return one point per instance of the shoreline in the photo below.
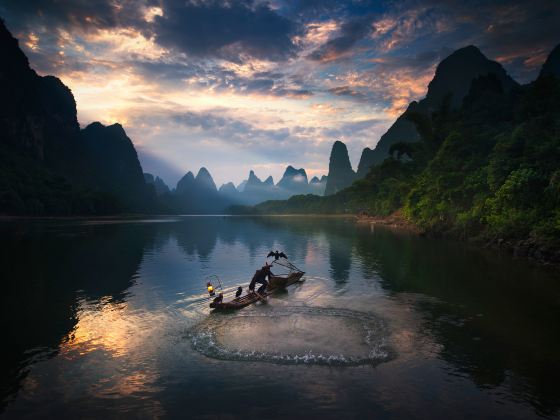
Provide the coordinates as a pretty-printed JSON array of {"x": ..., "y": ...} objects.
[
  {"x": 527, "y": 249},
  {"x": 5, "y": 217},
  {"x": 394, "y": 220}
]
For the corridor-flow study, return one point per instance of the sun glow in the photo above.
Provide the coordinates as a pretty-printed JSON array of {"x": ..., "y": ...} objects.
[
  {"x": 126, "y": 41},
  {"x": 100, "y": 327}
]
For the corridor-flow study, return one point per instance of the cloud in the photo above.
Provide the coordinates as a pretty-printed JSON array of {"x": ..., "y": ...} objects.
[
  {"x": 521, "y": 36},
  {"x": 346, "y": 91},
  {"x": 518, "y": 33},
  {"x": 83, "y": 15},
  {"x": 390, "y": 81},
  {"x": 325, "y": 108},
  {"x": 351, "y": 32},
  {"x": 232, "y": 129},
  {"x": 228, "y": 30},
  {"x": 353, "y": 128},
  {"x": 399, "y": 28},
  {"x": 208, "y": 29},
  {"x": 168, "y": 71},
  {"x": 223, "y": 78}
]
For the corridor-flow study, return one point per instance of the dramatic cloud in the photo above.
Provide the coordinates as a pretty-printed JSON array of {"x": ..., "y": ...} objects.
[
  {"x": 260, "y": 84},
  {"x": 346, "y": 91},
  {"x": 231, "y": 30},
  {"x": 85, "y": 15},
  {"x": 350, "y": 32}
]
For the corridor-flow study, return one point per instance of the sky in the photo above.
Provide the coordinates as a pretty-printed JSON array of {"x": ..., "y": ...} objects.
[{"x": 240, "y": 85}]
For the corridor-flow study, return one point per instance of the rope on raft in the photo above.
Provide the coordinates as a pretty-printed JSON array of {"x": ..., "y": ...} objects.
[{"x": 289, "y": 265}]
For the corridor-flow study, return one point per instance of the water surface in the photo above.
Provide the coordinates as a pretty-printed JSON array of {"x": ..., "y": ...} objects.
[{"x": 110, "y": 318}]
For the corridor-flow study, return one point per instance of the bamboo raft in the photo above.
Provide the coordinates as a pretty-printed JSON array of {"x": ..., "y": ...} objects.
[{"x": 275, "y": 283}]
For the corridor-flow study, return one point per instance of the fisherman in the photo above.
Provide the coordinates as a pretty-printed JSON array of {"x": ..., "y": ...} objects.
[
  {"x": 260, "y": 277},
  {"x": 218, "y": 299}
]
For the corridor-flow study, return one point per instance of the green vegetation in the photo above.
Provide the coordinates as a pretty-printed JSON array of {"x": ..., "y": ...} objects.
[{"x": 490, "y": 169}]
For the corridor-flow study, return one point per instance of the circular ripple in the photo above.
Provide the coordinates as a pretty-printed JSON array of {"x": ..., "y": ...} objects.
[{"x": 295, "y": 335}]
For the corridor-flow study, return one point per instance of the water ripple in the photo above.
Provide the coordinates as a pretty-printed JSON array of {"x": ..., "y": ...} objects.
[{"x": 295, "y": 335}]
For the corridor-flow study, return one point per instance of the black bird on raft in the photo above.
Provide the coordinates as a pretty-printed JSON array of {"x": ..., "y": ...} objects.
[
  {"x": 239, "y": 291},
  {"x": 277, "y": 255}
]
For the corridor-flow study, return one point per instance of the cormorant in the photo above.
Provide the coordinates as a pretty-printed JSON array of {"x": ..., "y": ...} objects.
[{"x": 277, "y": 255}]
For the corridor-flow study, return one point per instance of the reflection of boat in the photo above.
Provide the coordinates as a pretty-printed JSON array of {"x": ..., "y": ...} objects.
[{"x": 276, "y": 282}]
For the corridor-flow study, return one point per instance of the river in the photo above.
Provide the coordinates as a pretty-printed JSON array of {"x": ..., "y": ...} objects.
[{"x": 110, "y": 318}]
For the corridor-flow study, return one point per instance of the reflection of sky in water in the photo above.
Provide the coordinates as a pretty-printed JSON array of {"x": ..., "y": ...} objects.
[{"x": 436, "y": 309}]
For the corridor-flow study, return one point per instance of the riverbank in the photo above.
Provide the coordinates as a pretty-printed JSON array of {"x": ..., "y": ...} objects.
[
  {"x": 536, "y": 250},
  {"x": 395, "y": 220}
]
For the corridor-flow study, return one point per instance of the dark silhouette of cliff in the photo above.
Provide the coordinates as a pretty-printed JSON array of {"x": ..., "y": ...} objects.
[
  {"x": 114, "y": 165},
  {"x": 49, "y": 166},
  {"x": 452, "y": 79},
  {"x": 341, "y": 174},
  {"x": 160, "y": 187},
  {"x": 37, "y": 114},
  {"x": 551, "y": 66}
]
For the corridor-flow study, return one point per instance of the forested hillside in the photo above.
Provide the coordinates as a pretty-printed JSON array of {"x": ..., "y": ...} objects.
[
  {"x": 48, "y": 166},
  {"x": 490, "y": 169}
]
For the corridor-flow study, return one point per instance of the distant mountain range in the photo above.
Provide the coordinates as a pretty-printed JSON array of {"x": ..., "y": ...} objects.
[
  {"x": 293, "y": 182},
  {"x": 200, "y": 195},
  {"x": 48, "y": 165}
]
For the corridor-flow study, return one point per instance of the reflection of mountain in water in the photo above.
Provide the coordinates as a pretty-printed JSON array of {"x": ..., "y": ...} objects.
[
  {"x": 491, "y": 317},
  {"x": 46, "y": 272},
  {"x": 481, "y": 311},
  {"x": 201, "y": 236}
]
